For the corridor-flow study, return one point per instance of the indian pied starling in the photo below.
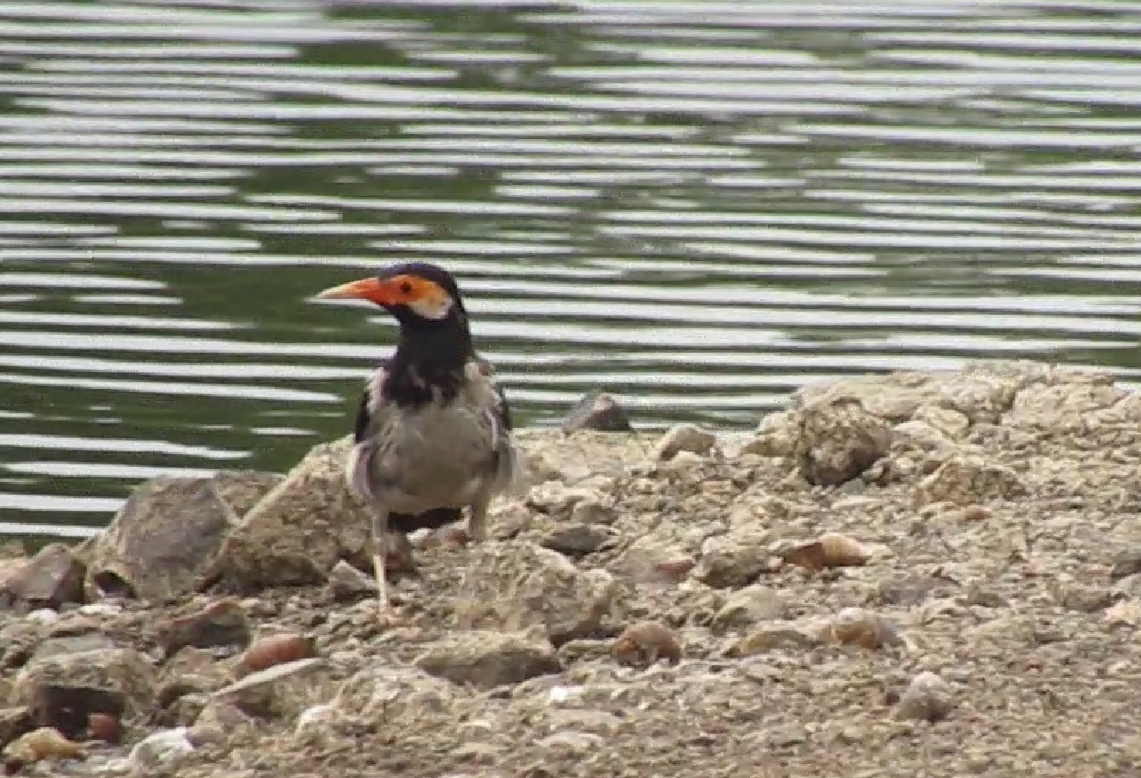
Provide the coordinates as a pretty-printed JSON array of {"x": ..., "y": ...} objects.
[{"x": 433, "y": 429}]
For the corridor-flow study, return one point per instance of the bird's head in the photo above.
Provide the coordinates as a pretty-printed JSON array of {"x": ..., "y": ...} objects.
[{"x": 419, "y": 295}]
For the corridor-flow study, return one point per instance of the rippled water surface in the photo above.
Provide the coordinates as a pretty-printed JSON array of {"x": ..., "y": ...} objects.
[{"x": 697, "y": 205}]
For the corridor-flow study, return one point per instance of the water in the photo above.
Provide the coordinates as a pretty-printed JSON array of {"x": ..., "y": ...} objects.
[{"x": 697, "y": 205}]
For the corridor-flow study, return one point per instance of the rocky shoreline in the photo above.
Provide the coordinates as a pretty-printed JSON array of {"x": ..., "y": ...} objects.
[{"x": 898, "y": 575}]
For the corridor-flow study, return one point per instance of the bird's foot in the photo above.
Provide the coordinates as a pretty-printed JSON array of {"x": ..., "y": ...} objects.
[
  {"x": 390, "y": 617},
  {"x": 477, "y": 531}
]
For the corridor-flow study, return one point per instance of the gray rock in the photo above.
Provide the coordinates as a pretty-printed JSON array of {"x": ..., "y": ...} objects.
[
  {"x": 184, "y": 711},
  {"x": 298, "y": 531},
  {"x": 838, "y": 441},
  {"x": 801, "y": 634},
  {"x": 597, "y": 411},
  {"x": 593, "y": 512},
  {"x": 1062, "y": 406},
  {"x": 732, "y": 561},
  {"x": 515, "y": 585},
  {"x": 893, "y": 397},
  {"x": 982, "y": 391},
  {"x": 15, "y": 722},
  {"x": 348, "y": 583},
  {"x": 581, "y": 719},
  {"x": 279, "y": 691},
  {"x": 1126, "y": 562},
  {"x": 572, "y": 742},
  {"x": 1085, "y": 599},
  {"x": 652, "y": 558},
  {"x": 62, "y": 690},
  {"x": 576, "y": 540},
  {"x": 51, "y": 578},
  {"x": 751, "y": 605},
  {"x": 398, "y": 692},
  {"x": 222, "y": 714},
  {"x": 192, "y": 671},
  {"x": 684, "y": 437},
  {"x": 477, "y": 753},
  {"x": 928, "y": 698},
  {"x": 221, "y": 623},
  {"x": 583, "y": 650},
  {"x": 19, "y": 640},
  {"x": 967, "y": 480},
  {"x": 315, "y": 716},
  {"x": 914, "y": 589},
  {"x": 159, "y": 749},
  {"x": 559, "y": 501},
  {"x": 72, "y": 644},
  {"x": 775, "y": 436},
  {"x": 947, "y": 421},
  {"x": 169, "y": 532},
  {"x": 489, "y": 659}
]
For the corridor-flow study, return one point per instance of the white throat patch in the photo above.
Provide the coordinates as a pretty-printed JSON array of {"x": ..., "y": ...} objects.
[{"x": 434, "y": 307}]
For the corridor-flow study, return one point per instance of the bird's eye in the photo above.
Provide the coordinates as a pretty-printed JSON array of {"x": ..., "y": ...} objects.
[{"x": 406, "y": 288}]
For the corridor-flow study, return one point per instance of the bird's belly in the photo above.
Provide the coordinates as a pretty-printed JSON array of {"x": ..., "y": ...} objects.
[
  {"x": 427, "y": 462},
  {"x": 419, "y": 501}
]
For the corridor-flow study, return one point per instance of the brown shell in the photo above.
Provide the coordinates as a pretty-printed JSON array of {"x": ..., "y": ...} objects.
[{"x": 275, "y": 650}]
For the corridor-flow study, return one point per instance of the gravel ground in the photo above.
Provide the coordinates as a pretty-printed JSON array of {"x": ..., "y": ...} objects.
[{"x": 903, "y": 575}]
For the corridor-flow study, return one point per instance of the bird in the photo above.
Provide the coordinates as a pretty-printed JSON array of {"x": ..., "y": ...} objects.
[{"x": 433, "y": 429}]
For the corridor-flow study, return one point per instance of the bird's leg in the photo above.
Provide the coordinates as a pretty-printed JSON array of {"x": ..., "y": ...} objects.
[
  {"x": 385, "y": 613},
  {"x": 477, "y": 519}
]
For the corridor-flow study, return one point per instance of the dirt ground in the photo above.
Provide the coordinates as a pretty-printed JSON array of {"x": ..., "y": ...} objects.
[{"x": 906, "y": 575}]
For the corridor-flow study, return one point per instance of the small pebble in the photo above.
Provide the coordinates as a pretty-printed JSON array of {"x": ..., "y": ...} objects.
[
  {"x": 597, "y": 411},
  {"x": 672, "y": 569},
  {"x": 928, "y": 698},
  {"x": 976, "y": 513},
  {"x": 859, "y": 627},
  {"x": 346, "y": 582},
  {"x": 205, "y": 733},
  {"x": 105, "y": 727},
  {"x": 684, "y": 437},
  {"x": 830, "y": 550}
]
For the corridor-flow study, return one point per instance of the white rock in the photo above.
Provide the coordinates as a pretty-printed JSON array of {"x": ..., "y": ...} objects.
[
  {"x": 160, "y": 748},
  {"x": 42, "y": 616},
  {"x": 316, "y": 714},
  {"x": 560, "y": 694},
  {"x": 100, "y": 609}
]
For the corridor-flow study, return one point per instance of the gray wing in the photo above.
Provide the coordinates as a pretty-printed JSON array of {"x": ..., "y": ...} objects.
[
  {"x": 360, "y": 457},
  {"x": 498, "y": 410}
]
